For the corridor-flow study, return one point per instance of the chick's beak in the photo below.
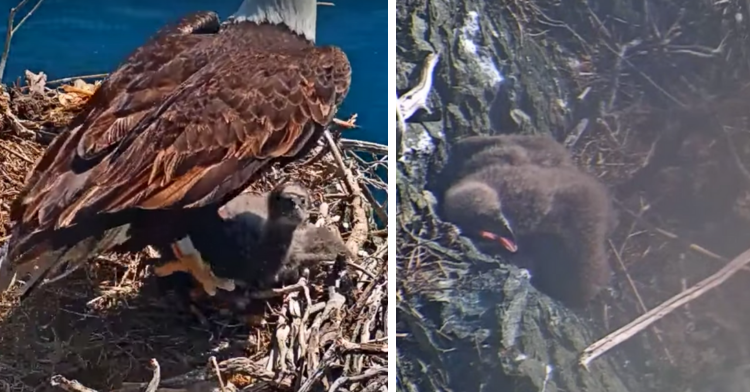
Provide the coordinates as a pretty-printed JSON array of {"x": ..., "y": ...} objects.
[{"x": 506, "y": 242}]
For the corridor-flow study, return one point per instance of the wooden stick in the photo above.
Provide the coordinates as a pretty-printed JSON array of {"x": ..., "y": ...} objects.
[
  {"x": 416, "y": 98},
  {"x": 626, "y": 332},
  {"x": 361, "y": 145},
  {"x": 358, "y": 234},
  {"x": 75, "y": 386},
  {"x": 217, "y": 371},
  {"x": 370, "y": 373},
  {"x": 69, "y": 385},
  {"x": 11, "y": 29},
  {"x": 156, "y": 378}
]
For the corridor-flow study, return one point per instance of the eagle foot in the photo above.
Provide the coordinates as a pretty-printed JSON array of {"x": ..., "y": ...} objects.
[{"x": 194, "y": 265}]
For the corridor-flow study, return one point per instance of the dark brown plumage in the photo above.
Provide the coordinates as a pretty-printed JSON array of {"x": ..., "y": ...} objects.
[
  {"x": 472, "y": 153},
  {"x": 560, "y": 218},
  {"x": 180, "y": 128},
  {"x": 514, "y": 149},
  {"x": 262, "y": 240}
]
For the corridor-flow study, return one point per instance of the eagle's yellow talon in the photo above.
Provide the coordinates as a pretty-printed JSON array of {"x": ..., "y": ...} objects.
[{"x": 195, "y": 266}]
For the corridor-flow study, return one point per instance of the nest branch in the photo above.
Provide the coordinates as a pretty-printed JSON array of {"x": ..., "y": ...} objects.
[
  {"x": 359, "y": 229},
  {"x": 302, "y": 323},
  {"x": 11, "y": 29}
]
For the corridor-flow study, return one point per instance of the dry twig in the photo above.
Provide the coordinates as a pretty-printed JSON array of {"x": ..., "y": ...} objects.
[
  {"x": 359, "y": 229},
  {"x": 626, "y": 332},
  {"x": 11, "y": 29}
]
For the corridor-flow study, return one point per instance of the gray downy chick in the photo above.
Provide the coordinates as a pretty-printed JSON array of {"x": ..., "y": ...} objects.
[
  {"x": 559, "y": 217},
  {"x": 308, "y": 247},
  {"x": 252, "y": 236}
]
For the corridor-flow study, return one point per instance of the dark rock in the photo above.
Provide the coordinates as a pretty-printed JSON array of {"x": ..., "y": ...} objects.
[
  {"x": 607, "y": 78},
  {"x": 475, "y": 323}
]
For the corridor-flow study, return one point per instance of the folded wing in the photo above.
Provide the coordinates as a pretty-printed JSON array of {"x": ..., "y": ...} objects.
[{"x": 190, "y": 133}]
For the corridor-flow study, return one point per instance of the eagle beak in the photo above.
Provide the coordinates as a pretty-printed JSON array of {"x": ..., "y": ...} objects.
[{"x": 506, "y": 242}]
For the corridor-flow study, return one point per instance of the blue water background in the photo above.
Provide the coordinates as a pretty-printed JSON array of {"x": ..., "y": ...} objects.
[{"x": 78, "y": 37}]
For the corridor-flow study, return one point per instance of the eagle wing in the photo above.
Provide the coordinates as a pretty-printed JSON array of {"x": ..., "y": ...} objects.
[
  {"x": 144, "y": 79},
  {"x": 127, "y": 93},
  {"x": 121, "y": 100},
  {"x": 207, "y": 138}
]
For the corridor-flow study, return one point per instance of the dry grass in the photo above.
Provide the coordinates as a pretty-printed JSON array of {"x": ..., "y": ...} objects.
[
  {"x": 683, "y": 224},
  {"x": 672, "y": 127},
  {"x": 102, "y": 325}
]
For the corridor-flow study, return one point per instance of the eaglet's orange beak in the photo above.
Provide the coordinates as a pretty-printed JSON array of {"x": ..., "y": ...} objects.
[{"x": 507, "y": 243}]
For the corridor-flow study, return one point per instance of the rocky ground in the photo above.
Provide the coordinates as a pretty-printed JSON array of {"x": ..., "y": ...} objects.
[{"x": 650, "y": 97}]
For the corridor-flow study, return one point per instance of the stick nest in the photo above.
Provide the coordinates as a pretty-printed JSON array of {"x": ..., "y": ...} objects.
[{"x": 106, "y": 325}]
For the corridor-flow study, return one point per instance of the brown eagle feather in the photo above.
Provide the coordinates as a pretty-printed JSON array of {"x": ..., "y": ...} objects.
[{"x": 187, "y": 121}]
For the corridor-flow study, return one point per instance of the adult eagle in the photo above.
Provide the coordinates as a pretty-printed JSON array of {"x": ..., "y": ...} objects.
[{"x": 179, "y": 129}]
